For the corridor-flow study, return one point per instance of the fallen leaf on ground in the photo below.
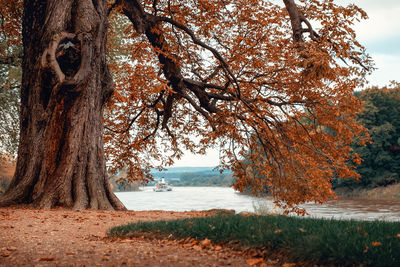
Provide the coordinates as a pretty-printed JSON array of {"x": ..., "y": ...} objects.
[
  {"x": 205, "y": 243},
  {"x": 197, "y": 248},
  {"x": 218, "y": 248},
  {"x": 254, "y": 261},
  {"x": 289, "y": 265},
  {"x": 5, "y": 253},
  {"x": 46, "y": 259}
]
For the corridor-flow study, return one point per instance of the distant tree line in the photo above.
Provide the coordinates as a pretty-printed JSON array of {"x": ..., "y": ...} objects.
[
  {"x": 380, "y": 164},
  {"x": 204, "y": 179}
]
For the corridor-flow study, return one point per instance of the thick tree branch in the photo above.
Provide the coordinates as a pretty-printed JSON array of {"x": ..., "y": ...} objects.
[
  {"x": 147, "y": 24},
  {"x": 297, "y": 18}
]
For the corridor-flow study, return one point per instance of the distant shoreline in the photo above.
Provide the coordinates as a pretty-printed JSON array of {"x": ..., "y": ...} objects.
[{"x": 382, "y": 192}]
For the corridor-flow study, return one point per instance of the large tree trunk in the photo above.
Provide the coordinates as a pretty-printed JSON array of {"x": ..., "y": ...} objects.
[{"x": 65, "y": 85}]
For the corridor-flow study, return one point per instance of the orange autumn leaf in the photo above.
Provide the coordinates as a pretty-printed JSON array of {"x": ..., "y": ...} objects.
[
  {"x": 205, "y": 243},
  {"x": 376, "y": 244},
  {"x": 254, "y": 261}
]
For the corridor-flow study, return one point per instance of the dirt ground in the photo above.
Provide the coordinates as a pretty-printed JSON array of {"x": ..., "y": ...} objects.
[{"x": 70, "y": 238}]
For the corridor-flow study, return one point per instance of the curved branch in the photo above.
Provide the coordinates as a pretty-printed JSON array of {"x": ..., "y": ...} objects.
[
  {"x": 200, "y": 43},
  {"x": 295, "y": 20},
  {"x": 49, "y": 55},
  {"x": 198, "y": 109},
  {"x": 138, "y": 115},
  {"x": 155, "y": 128},
  {"x": 49, "y": 59}
]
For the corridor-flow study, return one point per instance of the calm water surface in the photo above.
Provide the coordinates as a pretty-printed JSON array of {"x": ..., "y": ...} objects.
[{"x": 204, "y": 198}]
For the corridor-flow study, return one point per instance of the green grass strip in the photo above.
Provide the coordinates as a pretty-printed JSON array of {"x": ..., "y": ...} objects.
[{"x": 315, "y": 241}]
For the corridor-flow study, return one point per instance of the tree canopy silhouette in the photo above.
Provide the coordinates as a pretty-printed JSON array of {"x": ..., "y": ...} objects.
[
  {"x": 238, "y": 75},
  {"x": 381, "y": 157}
]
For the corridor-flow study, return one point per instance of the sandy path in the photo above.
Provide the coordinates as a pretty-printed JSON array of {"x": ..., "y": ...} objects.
[{"x": 70, "y": 238}]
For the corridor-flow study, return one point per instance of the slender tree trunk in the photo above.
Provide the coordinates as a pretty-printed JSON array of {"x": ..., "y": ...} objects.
[{"x": 65, "y": 85}]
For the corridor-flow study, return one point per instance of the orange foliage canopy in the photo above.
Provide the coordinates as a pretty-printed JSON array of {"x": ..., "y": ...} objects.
[
  {"x": 10, "y": 22},
  {"x": 269, "y": 81},
  {"x": 253, "y": 78}
]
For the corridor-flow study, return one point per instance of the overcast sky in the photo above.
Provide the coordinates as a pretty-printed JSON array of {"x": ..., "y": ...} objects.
[{"x": 381, "y": 36}]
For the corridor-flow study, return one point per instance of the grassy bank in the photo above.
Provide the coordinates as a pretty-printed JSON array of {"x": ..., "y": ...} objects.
[{"x": 311, "y": 241}]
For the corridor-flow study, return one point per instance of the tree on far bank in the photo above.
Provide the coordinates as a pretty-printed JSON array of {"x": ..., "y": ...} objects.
[
  {"x": 234, "y": 74},
  {"x": 381, "y": 158}
]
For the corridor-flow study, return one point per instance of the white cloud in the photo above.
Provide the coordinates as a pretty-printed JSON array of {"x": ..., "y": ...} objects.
[
  {"x": 381, "y": 36},
  {"x": 211, "y": 159},
  {"x": 388, "y": 69},
  {"x": 382, "y": 23},
  {"x": 383, "y": 19}
]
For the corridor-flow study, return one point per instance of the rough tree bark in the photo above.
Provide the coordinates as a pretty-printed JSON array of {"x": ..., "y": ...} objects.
[{"x": 65, "y": 85}]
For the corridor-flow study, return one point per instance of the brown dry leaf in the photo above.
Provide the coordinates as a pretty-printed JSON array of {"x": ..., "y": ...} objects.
[
  {"x": 197, "y": 248},
  {"x": 205, "y": 243},
  {"x": 218, "y": 248},
  {"x": 302, "y": 230},
  {"x": 5, "y": 253},
  {"x": 11, "y": 248},
  {"x": 289, "y": 265},
  {"x": 254, "y": 261},
  {"x": 193, "y": 243},
  {"x": 278, "y": 231},
  {"x": 46, "y": 259}
]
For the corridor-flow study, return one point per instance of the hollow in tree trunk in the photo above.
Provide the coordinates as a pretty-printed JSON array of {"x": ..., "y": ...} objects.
[{"x": 65, "y": 85}]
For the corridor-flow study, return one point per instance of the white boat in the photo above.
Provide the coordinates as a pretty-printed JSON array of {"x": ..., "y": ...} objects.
[{"x": 162, "y": 186}]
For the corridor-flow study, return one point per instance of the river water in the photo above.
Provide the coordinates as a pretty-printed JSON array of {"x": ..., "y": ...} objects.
[{"x": 205, "y": 198}]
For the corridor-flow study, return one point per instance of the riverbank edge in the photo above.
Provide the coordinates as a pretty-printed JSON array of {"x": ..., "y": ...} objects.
[
  {"x": 384, "y": 192},
  {"x": 282, "y": 239}
]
